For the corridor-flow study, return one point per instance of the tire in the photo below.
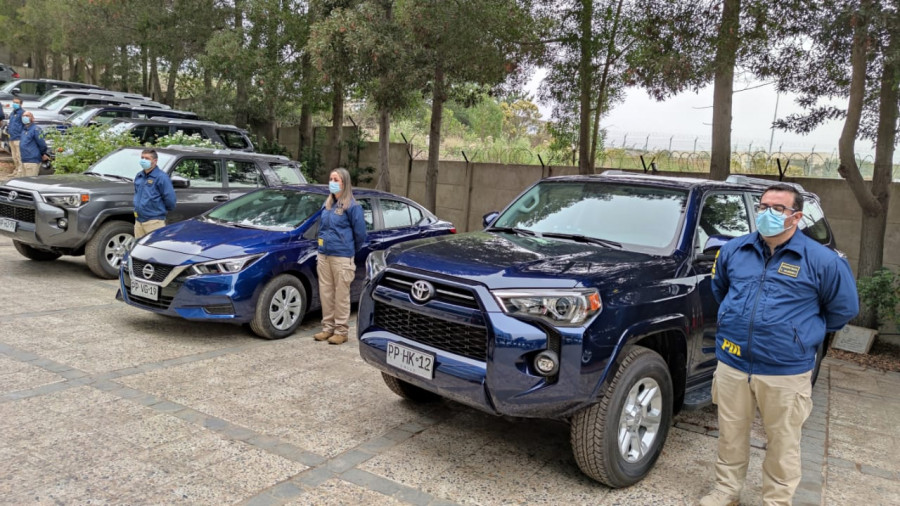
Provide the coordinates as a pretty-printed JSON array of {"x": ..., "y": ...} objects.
[
  {"x": 642, "y": 386},
  {"x": 103, "y": 252},
  {"x": 408, "y": 391},
  {"x": 280, "y": 308},
  {"x": 32, "y": 253}
]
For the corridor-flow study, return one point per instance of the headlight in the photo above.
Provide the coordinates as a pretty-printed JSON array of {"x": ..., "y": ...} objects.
[
  {"x": 563, "y": 308},
  {"x": 375, "y": 263},
  {"x": 227, "y": 266},
  {"x": 68, "y": 199}
]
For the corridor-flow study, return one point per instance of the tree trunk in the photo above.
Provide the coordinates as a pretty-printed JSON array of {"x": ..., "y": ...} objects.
[
  {"x": 604, "y": 79},
  {"x": 434, "y": 139},
  {"x": 170, "y": 85},
  {"x": 155, "y": 86},
  {"x": 145, "y": 78},
  {"x": 57, "y": 66},
  {"x": 242, "y": 84},
  {"x": 123, "y": 67},
  {"x": 584, "y": 87},
  {"x": 384, "y": 150},
  {"x": 723, "y": 89},
  {"x": 306, "y": 128},
  {"x": 336, "y": 134}
]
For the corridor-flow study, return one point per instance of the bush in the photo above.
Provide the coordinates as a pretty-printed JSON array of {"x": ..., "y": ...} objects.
[
  {"x": 79, "y": 147},
  {"x": 881, "y": 292},
  {"x": 180, "y": 139}
]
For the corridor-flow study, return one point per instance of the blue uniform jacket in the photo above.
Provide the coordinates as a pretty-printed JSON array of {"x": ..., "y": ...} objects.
[
  {"x": 32, "y": 145},
  {"x": 15, "y": 125},
  {"x": 342, "y": 235},
  {"x": 775, "y": 310},
  {"x": 154, "y": 196}
]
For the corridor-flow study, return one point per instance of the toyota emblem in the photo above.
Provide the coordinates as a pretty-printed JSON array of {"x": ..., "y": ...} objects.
[
  {"x": 13, "y": 195},
  {"x": 421, "y": 291},
  {"x": 148, "y": 271}
]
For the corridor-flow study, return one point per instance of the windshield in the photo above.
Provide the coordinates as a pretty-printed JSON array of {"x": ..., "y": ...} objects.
[
  {"x": 81, "y": 117},
  {"x": 126, "y": 163},
  {"x": 47, "y": 97},
  {"x": 280, "y": 209},
  {"x": 9, "y": 86},
  {"x": 56, "y": 104},
  {"x": 641, "y": 216}
]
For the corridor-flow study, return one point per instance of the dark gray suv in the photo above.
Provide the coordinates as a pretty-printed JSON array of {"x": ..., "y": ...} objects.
[
  {"x": 147, "y": 131},
  {"x": 91, "y": 214}
]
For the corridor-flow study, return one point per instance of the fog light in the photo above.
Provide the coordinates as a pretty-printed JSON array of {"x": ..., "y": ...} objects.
[
  {"x": 546, "y": 363},
  {"x": 62, "y": 223}
]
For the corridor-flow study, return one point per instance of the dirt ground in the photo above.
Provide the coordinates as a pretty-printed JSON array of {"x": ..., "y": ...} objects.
[{"x": 883, "y": 356}]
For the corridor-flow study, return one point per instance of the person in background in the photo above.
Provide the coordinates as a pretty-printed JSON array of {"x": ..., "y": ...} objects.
[
  {"x": 154, "y": 196},
  {"x": 14, "y": 128},
  {"x": 342, "y": 232},
  {"x": 32, "y": 147},
  {"x": 779, "y": 293}
]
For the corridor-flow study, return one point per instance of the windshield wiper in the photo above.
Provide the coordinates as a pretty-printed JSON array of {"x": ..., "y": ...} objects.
[
  {"x": 584, "y": 238},
  {"x": 515, "y": 230},
  {"x": 115, "y": 176}
]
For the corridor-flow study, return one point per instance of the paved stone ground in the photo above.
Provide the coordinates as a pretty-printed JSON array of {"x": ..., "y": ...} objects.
[{"x": 104, "y": 403}]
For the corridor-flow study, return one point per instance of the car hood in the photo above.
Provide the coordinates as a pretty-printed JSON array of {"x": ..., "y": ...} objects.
[
  {"x": 74, "y": 183},
  {"x": 501, "y": 260},
  {"x": 211, "y": 241}
]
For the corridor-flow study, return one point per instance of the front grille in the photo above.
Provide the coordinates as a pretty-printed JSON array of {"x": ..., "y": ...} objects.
[
  {"x": 23, "y": 214},
  {"x": 160, "y": 271},
  {"x": 466, "y": 340},
  {"x": 443, "y": 292},
  {"x": 166, "y": 295},
  {"x": 21, "y": 196}
]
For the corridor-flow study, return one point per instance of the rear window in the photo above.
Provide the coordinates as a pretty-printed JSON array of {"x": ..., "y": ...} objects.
[
  {"x": 813, "y": 222},
  {"x": 288, "y": 173},
  {"x": 233, "y": 140}
]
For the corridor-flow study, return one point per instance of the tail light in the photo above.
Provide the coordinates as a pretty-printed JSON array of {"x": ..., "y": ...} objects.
[
  {"x": 15, "y": 75},
  {"x": 452, "y": 230}
]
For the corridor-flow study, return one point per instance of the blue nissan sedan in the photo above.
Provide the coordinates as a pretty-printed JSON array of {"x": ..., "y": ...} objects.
[{"x": 253, "y": 259}]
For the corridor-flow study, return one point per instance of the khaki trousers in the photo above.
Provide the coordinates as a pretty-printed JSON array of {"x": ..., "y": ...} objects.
[
  {"x": 31, "y": 169},
  {"x": 784, "y": 403},
  {"x": 17, "y": 157},
  {"x": 335, "y": 276},
  {"x": 143, "y": 228}
]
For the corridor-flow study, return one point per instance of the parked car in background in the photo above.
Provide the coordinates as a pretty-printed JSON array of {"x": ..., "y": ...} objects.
[
  {"x": 30, "y": 89},
  {"x": 7, "y": 73},
  {"x": 55, "y": 92},
  {"x": 587, "y": 299},
  {"x": 64, "y": 106},
  {"x": 104, "y": 114},
  {"x": 91, "y": 214},
  {"x": 253, "y": 260},
  {"x": 147, "y": 131}
]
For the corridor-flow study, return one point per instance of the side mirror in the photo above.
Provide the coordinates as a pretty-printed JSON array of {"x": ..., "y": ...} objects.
[
  {"x": 489, "y": 218},
  {"x": 180, "y": 182},
  {"x": 66, "y": 111},
  {"x": 16, "y": 91},
  {"x": 712, "y": 246}
]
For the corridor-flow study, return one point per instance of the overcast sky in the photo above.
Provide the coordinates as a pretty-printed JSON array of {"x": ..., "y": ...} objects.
[{"x": 687, "y": 118}]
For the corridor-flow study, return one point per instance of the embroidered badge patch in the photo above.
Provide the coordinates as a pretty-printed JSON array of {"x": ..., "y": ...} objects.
[
  {"x": 730, "y": 347},
  {"x": 321, "y": 242},
  {"x": 788, "y": 269}
]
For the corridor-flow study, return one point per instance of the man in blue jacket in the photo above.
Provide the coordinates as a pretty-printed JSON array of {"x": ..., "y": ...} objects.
[
  {"x": 779, "y": 293},
  {"x": 14, "y": 128},
  {"x": 154, "y": 196},
  {"x": 32, "y": 147}
]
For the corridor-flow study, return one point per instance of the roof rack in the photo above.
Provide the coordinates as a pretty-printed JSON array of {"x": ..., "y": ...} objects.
[
  {"x": 740, "y": 178},
  {"x": 225, "y": 151},
  {"x": 169, "y": 119}
]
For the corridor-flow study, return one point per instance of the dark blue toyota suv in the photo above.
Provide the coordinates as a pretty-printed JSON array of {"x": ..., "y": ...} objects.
[{"x": 587, "y": 299}]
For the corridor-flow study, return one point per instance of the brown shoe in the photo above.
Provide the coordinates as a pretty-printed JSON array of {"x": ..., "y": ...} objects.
[
  {"x": 337, "y": 339},
  {"x": 719, "y": 498},
  {"x": 321, "y": 336}
]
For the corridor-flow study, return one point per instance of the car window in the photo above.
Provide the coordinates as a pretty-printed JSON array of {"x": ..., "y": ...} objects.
[
  {"x": 397, "y": 214},
  {"x": 152, "y": 133},
  {"x": 813, "y": 222},
  {"x": 193, "y": 131},
  {"x": 722, "y": 214},
  {"x": 242, "y": 174},
  {"x": 28, "y": 88},
  {"x": 201, "y": 172},
  {"x": 368, "y": 215},
  {"x": 232, "y": 139},
  {"x": 287, "y": 173}
]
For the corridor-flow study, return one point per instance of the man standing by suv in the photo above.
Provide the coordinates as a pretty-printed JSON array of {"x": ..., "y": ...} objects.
[
  {"x": 154, "y": 196},
  {"x": 32, "y": 146},
  {"x": 780, "y": 292},
  {"x": 14, "y": 129}
]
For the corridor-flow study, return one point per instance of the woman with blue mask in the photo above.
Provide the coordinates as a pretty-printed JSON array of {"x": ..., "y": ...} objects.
[{"x": 342, "y": 232}]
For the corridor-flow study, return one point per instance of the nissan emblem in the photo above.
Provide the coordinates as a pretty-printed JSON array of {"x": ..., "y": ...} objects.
[
  {"x": 422, "y": 291},
  {"x": 148, "y": 271}
]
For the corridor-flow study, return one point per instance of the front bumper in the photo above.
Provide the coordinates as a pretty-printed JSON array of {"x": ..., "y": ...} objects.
[{"x": 502, "y": 379}]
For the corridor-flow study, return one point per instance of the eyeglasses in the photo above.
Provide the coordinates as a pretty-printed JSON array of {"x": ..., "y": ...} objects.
[{"x": 778, "y": 208}]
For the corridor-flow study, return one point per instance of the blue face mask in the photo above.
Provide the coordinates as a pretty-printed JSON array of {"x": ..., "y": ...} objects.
[
  {"x": 16, "y": 106},
  {"x": 145, "y": 164},
  {"x": 770, "y": 223},
  {"x": 334, "y": 187},
  {"x": 26, "y": 120}
]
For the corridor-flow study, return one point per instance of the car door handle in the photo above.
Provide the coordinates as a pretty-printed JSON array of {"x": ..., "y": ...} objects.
[{"x": 220, "y": 198}]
